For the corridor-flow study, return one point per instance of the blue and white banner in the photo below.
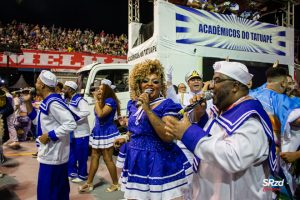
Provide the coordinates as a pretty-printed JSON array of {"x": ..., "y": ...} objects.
[{"x": 202, "y": 28}]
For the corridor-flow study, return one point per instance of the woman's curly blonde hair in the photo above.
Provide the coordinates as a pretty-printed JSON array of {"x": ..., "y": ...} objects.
[{"x": 140, "y": 71}]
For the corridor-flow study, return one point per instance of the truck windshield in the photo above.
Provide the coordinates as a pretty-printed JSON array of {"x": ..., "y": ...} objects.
[
  {"x": 118, "y": 77},
  {"x": 82, "y": 80}
]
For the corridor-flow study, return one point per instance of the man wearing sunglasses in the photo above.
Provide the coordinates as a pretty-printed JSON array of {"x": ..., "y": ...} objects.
[{"x": 234, "y": 141}]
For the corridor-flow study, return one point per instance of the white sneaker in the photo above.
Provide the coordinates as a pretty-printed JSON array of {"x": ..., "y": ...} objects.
[
  {"x": 14, "y": 145},
  {"x": 77, "y": 180},
  {"x": 7, "y": 143}
]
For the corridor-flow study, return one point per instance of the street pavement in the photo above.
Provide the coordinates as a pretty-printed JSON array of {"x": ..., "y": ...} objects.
[{"x": 20, "y": 180}]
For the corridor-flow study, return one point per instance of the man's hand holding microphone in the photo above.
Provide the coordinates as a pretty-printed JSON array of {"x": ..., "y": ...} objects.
[{"x": 198, "y": 104}]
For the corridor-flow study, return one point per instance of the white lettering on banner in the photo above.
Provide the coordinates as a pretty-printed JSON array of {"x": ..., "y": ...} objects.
[
  {"x": 101, "y": 60},
  {"x": 87, "y": 59},
  {"x": 15, "y": 58},
  {"x": 117, "y": 60},
  {"x": 49, "y": 59},
  {"x": 27, "y": 58},
  {"x": 67, "y": 60},
  {"x": 56, "y": 60},
  {"x": 142, "y": 53}
]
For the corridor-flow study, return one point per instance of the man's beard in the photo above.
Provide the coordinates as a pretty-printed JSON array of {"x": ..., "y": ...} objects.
[{"x": 219, "y": 98}]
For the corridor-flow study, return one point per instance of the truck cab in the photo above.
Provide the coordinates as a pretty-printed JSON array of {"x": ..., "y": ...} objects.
[{"x": 89, "y": 78}]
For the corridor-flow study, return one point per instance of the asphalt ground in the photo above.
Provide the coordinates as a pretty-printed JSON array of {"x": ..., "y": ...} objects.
[{"x": 20, "y": 179}]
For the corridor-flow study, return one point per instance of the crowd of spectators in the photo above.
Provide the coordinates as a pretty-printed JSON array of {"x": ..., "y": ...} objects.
[
  {"x": 249, "y": 9},
  {"x": 41, "y": 37}
]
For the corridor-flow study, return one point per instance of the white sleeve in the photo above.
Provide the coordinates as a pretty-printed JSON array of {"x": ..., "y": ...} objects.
[
  {"x": 64, "y": 117},
  {"x": 83, "y": 110},
  {"x": 248, "y": 145},
  {"x": 171, "y": 94}
]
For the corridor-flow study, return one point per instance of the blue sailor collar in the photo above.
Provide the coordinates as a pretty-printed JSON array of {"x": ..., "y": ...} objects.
[
  {"x": 75, "y": 100},
  {"x": 45, "y": 105},
  {"x": 138, "y": 114},
  {"x": 233, "y": 118}
]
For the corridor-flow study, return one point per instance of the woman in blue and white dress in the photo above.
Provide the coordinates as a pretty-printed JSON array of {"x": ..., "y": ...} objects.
[
  {"x": 123, "y": 121},
  {"x": 155, "y": 167},
  {"x": 103, "y": 135}
]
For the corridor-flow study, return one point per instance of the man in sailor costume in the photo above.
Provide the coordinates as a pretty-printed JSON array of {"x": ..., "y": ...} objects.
[
  {"x": 79, "y": 147},
  {"x": 54, "y": 122},
  {"x": 194, "y": 81},
  {"x": 234, "y": 141}
]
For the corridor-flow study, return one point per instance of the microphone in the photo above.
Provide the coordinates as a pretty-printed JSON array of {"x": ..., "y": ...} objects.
[
  {"x": 207, "y": 96},
  {"x": 148, "y": 91}
]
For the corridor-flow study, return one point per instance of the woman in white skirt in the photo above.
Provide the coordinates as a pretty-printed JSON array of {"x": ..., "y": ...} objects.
[{"x": 103, "y": 135}]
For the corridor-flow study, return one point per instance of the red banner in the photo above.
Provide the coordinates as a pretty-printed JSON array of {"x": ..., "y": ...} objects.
[{"x": 56, "y": 60}]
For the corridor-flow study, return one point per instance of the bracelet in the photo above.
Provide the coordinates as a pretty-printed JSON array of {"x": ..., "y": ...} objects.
[{"x": 125, "y": 136}]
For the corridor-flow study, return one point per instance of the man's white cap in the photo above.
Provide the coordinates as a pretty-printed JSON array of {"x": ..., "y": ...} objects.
[
  {"x": 234, "y": 70},
  {"x": 48, "y": 78},
  {"x": 71, "y": 84},
  {"x": 192, "y": 74},
  {"x": 108, "y": 82}
]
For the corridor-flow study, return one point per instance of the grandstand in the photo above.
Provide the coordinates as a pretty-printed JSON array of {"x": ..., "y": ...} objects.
[
  {"x": 36, "y": 44},
  {"x": 41, "y": 38}
]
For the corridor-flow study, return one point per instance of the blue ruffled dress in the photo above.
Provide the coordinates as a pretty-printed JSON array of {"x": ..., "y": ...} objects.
[
  {"x": 153, "y": 169},
  {"x": 105, "y": 131}
]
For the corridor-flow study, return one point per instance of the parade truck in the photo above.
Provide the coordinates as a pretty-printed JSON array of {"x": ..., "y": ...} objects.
[{"x": 188, "y": 38}]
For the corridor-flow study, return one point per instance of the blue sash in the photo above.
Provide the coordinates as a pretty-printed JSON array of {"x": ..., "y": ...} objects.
[
  {"x": 232, "y": 119},
  {"x": 276, "y": 104}
]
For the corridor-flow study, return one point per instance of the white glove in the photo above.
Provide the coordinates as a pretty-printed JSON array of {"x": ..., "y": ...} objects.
[
  {"x": 227, "y": 3},
  {"x": 169, "y": 73}
]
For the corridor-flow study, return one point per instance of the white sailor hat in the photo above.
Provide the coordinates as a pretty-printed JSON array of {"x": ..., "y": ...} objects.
[
  {"x": 71, "y": 84},
  {"x": 108, "y": 82},
  {"x": 48, "y": 78},
  {"x": 192, "y": 74},
  {"x": 234, "y": 70}
]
